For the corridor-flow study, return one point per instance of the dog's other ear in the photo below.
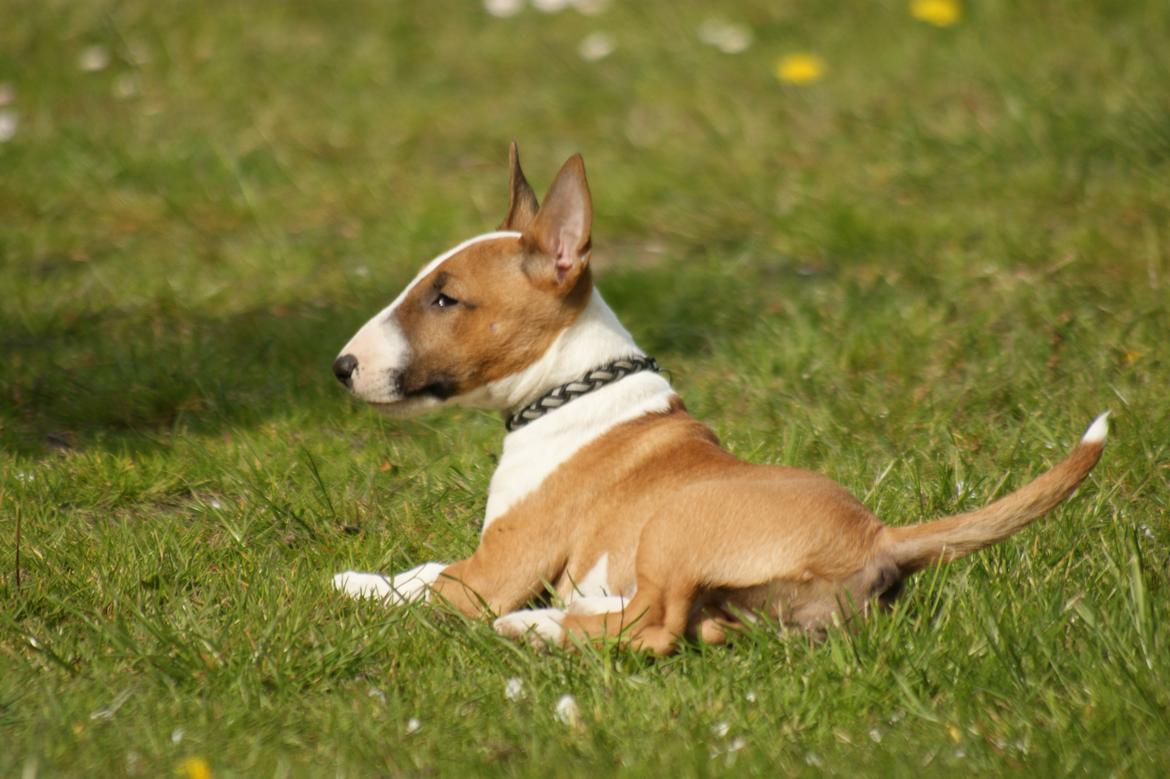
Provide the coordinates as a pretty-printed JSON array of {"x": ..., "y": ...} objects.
[
  {"x": 522, "y": 205},
  {"x": 560, "y": 233}
]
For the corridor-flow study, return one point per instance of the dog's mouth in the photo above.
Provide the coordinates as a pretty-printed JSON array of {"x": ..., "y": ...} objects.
[
  {"x": 402, "y": 400},
  {"x": 440, "y": 388}
]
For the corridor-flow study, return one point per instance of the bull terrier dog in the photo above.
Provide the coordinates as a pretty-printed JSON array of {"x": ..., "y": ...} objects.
[{"x": 610, "y": 501}]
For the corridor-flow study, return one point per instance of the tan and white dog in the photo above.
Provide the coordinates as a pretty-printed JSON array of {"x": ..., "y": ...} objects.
[{"x": 607, "y": 491}]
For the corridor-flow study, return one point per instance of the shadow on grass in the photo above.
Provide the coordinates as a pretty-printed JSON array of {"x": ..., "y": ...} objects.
[{"x": 120, "y": 378}]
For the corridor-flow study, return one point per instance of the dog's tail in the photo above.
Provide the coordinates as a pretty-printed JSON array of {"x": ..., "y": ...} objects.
[{"x": 918, "y": 546}]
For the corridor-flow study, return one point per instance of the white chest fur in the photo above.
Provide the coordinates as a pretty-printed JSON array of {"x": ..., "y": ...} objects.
[
  {"x": 533, "y": 452},
  {"x": 536, "y": 450}
]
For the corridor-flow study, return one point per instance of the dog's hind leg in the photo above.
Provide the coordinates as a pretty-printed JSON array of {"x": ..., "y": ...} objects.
[
  {"x": 543, "y": 627},
  {"x": 662, "y": 638},
  {"x": 712, "y": 628},
  {"x": 653, "y": 621},
  {"x": 624, "y": 623}
]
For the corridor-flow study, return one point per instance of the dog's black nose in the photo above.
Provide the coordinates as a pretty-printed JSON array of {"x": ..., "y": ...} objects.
[{"x": 343, "y": 368}]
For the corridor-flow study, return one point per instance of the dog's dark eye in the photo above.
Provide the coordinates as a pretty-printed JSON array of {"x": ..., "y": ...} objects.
[{"x": 445, "y": 301}]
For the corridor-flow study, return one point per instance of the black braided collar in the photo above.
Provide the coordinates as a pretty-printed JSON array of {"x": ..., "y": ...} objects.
[{"x": 594, "y": 379}]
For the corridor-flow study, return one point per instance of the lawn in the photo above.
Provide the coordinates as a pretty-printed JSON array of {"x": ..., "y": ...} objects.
[{"x": 919, "y": 260}]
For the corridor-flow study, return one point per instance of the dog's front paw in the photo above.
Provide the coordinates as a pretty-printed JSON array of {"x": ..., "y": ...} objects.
[
  {"x": 414, "y": 585},
  {"x": 398, "y": 590},
  {"x": 541, "y": 627},
  {"x": 363, "y": 585}
]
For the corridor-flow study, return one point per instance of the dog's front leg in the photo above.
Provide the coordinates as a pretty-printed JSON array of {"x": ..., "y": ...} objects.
[
  {"x": 516, "y": 559},
  {"x": 477, "y": 588},
  {"x": 402, "y": 588}
]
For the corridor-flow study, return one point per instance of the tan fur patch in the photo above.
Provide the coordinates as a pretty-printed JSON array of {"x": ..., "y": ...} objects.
[{"x": 500, "y": 323}]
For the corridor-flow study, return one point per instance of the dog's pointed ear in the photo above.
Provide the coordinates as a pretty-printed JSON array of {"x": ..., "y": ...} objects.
[
  {"x": 560, "y": 235},
  {"x": 522, "y": 205}
]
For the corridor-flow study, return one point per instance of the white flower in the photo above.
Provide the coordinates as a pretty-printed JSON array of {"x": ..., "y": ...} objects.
[
  {"x": 875, "y": 735},
  {"x": 502, "y": 9},
  {"x": 596, "y": 46},
  {"x": 177, "y": 735},
  {"x": 720, "y": 729},
  {"x": 514, "y": 689},
  {"x": 750, "y": 697},
  {"x": 8, "y": 125},
  {"x": 728, "y": 37},
  {"x": 413, "y": 726},
  {"x": 94, "y": 58},
  {"x": 566, "y": 711}
]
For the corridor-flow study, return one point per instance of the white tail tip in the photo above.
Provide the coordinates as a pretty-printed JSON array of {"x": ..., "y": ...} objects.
[{"x": 1098, "y": 430}]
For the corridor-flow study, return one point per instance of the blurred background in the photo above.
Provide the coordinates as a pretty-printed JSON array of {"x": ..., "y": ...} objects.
[{"x": 198, "y": 202}]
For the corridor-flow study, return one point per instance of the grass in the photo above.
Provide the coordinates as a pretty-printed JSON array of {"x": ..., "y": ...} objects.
[{"x": 923, "y": 274}]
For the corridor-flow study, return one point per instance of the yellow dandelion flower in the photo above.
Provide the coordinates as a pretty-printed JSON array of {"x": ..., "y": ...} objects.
[
  {"x": 800, "y": 68},
  {"x": 940, "y": 13},
  {"x": 195, "y": 768}
]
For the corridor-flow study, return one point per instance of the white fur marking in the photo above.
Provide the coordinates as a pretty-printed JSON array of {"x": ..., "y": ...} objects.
[
  {"x": 435, "y": 263},
  {"x": 540, "y": 626},
  {"x": 595, "y": 581},
  {"x": 362, "y": 585},
  {"x": 1098, "y": 430},
  {"x": 406, "y": 587},
  {"x": 596, "y": 604}
]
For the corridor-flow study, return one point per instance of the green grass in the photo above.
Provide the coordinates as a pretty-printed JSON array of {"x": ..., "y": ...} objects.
[{"x": 923, "y": 275}]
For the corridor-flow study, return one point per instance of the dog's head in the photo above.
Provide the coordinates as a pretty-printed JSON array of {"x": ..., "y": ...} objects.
[{"x": 483, "y": 311}]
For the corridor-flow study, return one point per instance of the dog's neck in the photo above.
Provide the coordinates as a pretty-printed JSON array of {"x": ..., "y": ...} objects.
[
  {"x": 595, "y": 338},
  {"x": 537, "y": 449}
]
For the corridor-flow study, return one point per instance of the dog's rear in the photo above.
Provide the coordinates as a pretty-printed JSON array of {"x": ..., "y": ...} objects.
[{"x": 801, "y": 550}]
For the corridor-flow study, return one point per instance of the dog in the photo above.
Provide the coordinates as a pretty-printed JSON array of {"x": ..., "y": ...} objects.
[{"x": 609, "y": 500}]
